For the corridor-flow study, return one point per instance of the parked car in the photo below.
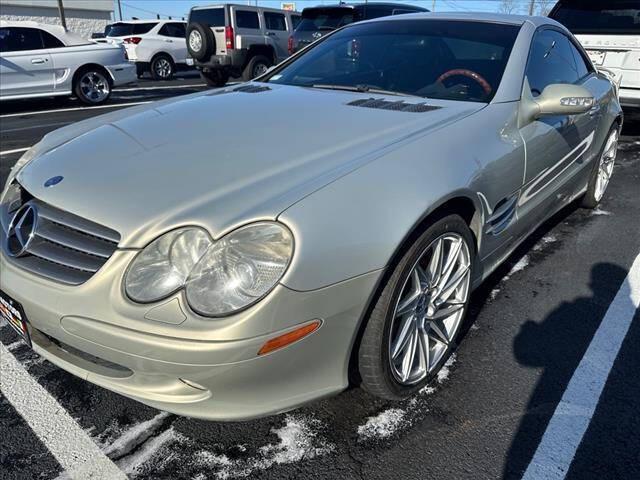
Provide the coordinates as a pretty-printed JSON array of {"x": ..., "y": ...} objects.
[
  {"x": 38, "y": 60},
  {"x": 156, "y": 46},
  {"x": 318, "y": 21},
  {"x": 232, "y": 274},
  {"x": 610, "y": 32},
  {"x": 238, "y": 40}
]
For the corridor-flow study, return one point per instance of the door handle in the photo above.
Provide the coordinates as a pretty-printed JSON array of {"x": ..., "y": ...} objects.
[
  {"x": 169, "y": 41},
  {"x": 270, "y": 34},
  {"x": 37, "y": 61}
]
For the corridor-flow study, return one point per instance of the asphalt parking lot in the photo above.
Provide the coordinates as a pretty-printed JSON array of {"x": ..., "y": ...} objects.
[{"x": 556, "y": 313}]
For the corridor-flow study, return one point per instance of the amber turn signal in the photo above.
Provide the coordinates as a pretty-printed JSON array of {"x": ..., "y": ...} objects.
[{"x": 289, "y": 337}]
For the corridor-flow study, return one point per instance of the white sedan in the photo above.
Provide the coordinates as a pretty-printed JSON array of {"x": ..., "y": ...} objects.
[{"x": 38, "y": 60}]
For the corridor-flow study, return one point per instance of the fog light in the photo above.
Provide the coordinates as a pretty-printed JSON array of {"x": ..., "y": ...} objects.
[{"x": 289, "y": 337}]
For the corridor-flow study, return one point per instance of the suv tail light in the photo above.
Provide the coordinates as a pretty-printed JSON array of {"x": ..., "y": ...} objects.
[
  {"x": 134, "y": 40},
  {"x": 290, "y": 45},
  {"x": 228, "y": 37}
]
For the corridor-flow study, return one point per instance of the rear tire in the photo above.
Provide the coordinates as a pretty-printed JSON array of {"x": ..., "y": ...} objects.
[
  {"x": 257, "y": 65},
  {"x": 92, "y": 85},
  {"x": 162, "y": 67},
  {"x": 420, "y": 309},
  {"x": 216, "y": 78},
  {"x": 602, "y": 170}
]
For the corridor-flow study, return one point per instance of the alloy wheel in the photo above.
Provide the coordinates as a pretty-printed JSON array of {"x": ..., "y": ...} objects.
[
  {"x": 162, "y": 68},
  {"x": 259, "y": 69},
  {"x": 195, "y": 41},
  {"x": 94, "y": 86},
  {"x": 605, "y": 166},
  {"x": 430, "y": 309}
]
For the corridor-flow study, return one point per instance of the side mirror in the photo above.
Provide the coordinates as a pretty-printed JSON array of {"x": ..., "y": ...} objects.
[
  {"x": 564, "y": 99},
  {"x": 556, "y": 99}
]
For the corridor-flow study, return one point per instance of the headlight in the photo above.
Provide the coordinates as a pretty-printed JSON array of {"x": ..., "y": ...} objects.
[
  {"x": 19, "y": 165},
  {"x": 219, "y": 277}
]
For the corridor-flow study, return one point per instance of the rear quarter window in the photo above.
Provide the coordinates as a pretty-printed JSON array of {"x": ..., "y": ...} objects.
[
  {"x": 141, "y": 28},
  {"x": 247, "y": 19}
]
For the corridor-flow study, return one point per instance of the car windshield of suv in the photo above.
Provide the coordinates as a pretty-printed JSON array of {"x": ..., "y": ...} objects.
[
  {"x": 454, "y": 60},
  {"x": 613, "y": 17},
  {"x": 318, "y": 19}
]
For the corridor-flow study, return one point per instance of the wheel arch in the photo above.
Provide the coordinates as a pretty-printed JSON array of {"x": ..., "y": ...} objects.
[
  {"x": 87, "y": 66},
  {"x": 266, "y": 50},
  {"x": 163, "y": 54},
  {"x": 461, "y": 203}
]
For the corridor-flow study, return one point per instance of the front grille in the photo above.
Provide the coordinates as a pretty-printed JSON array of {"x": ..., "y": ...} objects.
[{"x": 65, "y": 248}]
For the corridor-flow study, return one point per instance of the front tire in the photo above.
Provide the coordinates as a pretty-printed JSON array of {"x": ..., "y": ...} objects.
[
  {"x": 93, "y": 86},
  {"x": 602, "y": 170},
  {"x": 215, "y": 78},
  {"x": 417, "y": 317},
  {"x": 162, "y": 67}
]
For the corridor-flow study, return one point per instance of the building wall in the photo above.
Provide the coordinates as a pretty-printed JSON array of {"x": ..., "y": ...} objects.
[{"x": 82, "y": 21}]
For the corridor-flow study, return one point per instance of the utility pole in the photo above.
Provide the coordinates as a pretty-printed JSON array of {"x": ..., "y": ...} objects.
[
  {"x": 63, "y": 20},
  {"x": 433, "y": 6},
  {"x": 531, "y": 5},
  {"x": 120, "y": 10}
]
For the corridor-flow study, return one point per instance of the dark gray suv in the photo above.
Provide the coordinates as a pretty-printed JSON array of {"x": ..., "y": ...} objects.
[{"x": 318, "y": 21}]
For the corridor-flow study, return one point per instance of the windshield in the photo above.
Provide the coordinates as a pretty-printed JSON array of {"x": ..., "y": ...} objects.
[
  {"x": 455, "y": 60},
  {"x": 211, "y": 17},
  {"x": 614, "y": 17},
  {"x": 316, "y": 19}
]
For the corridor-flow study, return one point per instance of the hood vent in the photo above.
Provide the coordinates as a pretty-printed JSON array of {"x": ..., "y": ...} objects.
[
  {"x": 251, "y": 89},
  {"x": 400, "y": 106}
]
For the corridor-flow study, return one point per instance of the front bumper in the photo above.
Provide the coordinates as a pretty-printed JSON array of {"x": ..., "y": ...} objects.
[
  {"x": 167, "y": 357},
  {"x": 122, "y": 74}
]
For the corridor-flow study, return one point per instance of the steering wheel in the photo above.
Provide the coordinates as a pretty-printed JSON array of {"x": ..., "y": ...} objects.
[{"x": 469, "y": 74}]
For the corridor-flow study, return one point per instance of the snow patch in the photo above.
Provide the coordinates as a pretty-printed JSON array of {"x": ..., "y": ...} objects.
[
  {"x": 546, "y": 240},
  {"x": 494, "y": 293},
  {"x": 383, "y": 425},
  {"x": 15, "y": 345},
  {"x": 298, "y": 440},
  {"x": 598, "y": 211},
  {"x": 445, "y": 371},
  {"x": 521, "y": 265},
  {"x": 134, "y": 435},
  {"x": 153, "y": 449}
]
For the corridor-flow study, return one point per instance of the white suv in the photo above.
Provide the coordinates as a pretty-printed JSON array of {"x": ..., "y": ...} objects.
[
  {"x": 158, "y": 46},
  {"x": 609, "y": 30}
]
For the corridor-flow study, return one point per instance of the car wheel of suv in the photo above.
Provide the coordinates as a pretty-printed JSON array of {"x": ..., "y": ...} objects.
[
  {"x": 92, "y": 86},
  {"x": 215, "y": 78},
  {"x": 162, "y": 67},
  {"x": 414, "y": 323},
  {"x": 201, "y": 43},
  {"x": 602, "y": 170},
  {"x": 257, "y": 65}
]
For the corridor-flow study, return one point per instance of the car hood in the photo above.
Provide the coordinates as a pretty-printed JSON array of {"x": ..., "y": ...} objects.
[{"x": 217, "y": 159}]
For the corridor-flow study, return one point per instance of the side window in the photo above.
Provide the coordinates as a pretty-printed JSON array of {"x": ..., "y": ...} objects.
[
  {"x": 17, "y": 39},
  {"x": 400, "y": 11},
  {"x": 274, "y": 21},
  {"x": 247, "y": 19},
  {"x": 372, "y": 11},
  {"x": 551, "y": 61},
  {"x": 142, "y": 28},
  {"x": 583, "y": 66},
  {"x": 295, "y": 20},
  {"x": 50, "y": 41},
  {"x": 175, "y": 30}
]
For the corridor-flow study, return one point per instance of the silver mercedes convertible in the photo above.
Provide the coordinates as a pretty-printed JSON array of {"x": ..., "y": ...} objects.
[{"x": 241, "y": 251}]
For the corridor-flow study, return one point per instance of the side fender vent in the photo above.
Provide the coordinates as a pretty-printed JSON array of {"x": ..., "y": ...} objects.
[
  {"x": 400, "y": 106},
  {"x": 252, "y": 89},
  {"x": 502, "y": 216}
]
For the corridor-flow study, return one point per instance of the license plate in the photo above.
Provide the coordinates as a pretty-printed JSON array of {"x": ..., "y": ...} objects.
[
  {"x": 190, "y": 62},
  {"x": 13, "y": 313},
  {"x": 597, "y": 56}
]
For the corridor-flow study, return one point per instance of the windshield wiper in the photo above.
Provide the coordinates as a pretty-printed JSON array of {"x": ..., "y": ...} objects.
[{"x": 362, "y": 89}]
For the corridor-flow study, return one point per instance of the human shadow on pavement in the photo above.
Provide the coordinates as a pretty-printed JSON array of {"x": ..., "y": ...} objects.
[{"x": 556, "y": 345}]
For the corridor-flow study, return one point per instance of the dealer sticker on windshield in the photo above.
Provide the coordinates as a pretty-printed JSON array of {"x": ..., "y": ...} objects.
[
  {"x": 597, "y": 56},
  {"x": 12, "y": 312}
]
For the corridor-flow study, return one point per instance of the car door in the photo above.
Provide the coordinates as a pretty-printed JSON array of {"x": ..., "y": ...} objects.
[
  {"x": 25, "y": 66},
  {"x": 276, "y": 31},
  {"x": 172, "y": 35},
  {"x": 558, "y": 148},
  {"x": 247, "y": 28}
]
